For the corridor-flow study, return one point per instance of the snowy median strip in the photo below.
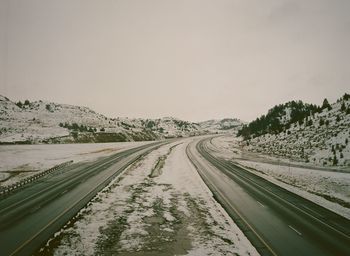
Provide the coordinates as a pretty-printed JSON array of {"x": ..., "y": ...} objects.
[{"x": 173, "y": 213}]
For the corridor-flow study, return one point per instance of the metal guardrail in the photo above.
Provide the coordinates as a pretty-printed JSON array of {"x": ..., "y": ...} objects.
[{"x": 8, "y": 189}]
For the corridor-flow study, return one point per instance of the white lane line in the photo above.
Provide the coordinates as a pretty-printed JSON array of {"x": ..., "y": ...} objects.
[
  {"x": 64, "y": 192},
  {"x": 293, "y": 205},
  {"x": 260, "y": 203},
  {"x": 315, "y": 213},
  {"x": 205, "y": 177},
  {"x": 18, "y": 249},
  {"x": 296, "y": 231}
]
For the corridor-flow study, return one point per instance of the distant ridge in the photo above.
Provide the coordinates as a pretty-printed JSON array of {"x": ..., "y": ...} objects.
[{"x": 48, "y": 122}]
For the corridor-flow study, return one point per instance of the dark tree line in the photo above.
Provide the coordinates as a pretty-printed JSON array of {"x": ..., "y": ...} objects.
[
  {"x": 271, "y": 122},
  {"x": 77, "y": 127},
  {"x": 299, "y": 113}
]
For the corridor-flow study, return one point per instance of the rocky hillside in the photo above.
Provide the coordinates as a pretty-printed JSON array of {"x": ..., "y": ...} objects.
[
  {"x": 47, "y": 122},
  {"x": 321, "y": 137}
]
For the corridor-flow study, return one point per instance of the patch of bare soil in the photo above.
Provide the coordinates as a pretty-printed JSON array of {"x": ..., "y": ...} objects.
[{"x": 157, "y": 170}]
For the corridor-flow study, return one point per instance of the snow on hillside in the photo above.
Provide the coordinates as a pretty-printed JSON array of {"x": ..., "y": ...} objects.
[
  {"x": 226, "y": 125},
  {"x": 320, "y": 139},
  {"x": 47, "y": 122},
  {"x": 170, "y": 127}
]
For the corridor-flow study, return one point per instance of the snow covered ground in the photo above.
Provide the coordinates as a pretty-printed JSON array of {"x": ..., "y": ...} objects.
[
  {"x": 48, "y": 122},
  {"x": 226, "y": 125},
  {"x": 329, "y": 188},
  {"x": 21, "y": 161},
  {"x": 170, "y": 212},
  {"x": 321, "y": 140}
]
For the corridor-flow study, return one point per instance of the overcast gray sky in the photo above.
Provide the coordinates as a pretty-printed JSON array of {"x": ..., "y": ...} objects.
[{"x": 192, "y": 59}]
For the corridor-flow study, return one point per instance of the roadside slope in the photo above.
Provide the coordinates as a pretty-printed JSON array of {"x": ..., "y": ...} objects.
[{"x": 321, "y": 137}]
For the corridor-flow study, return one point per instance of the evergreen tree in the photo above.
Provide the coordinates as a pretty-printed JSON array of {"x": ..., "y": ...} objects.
[
  {"x": 343, "y": 108},
  {"x": 19, "y": 104},
  {"x": 321, "y": 122},
  {"x": 326, "y": 104},
  {"x": 271, "y": 122},
  {"x": 335, "y": 160},
  {"x": 75, "y": 126}
]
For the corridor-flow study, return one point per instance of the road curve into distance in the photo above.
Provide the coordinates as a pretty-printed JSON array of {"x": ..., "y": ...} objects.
[
  {"x": 31, "y": 215},
  {"x": 276, "y": 221}
]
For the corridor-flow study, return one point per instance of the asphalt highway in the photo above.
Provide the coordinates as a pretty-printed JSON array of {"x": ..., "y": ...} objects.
[
  {"x": 276, "y": 221},
  {"x": 31, "y": 215}
]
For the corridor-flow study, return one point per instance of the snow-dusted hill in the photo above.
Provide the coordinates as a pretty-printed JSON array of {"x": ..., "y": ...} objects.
[
  {"x": 322, "y": 138},
  {"x": 226, "y": 125},
  {"x": 47, "y": 122},
  {"x": 40, "y": 121}
]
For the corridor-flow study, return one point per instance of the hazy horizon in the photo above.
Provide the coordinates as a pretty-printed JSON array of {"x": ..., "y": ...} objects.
[{"x": 195, "y": 60}]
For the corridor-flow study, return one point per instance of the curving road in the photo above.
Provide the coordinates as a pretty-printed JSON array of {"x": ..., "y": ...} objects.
[
  {"x": 276, "y": 221},
  {"x": 29, "y": 217}
]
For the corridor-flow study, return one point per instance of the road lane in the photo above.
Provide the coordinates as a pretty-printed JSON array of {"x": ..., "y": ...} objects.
[
  {"x": 47, "y": 204},
  {"x": 275, "y": 220}
]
